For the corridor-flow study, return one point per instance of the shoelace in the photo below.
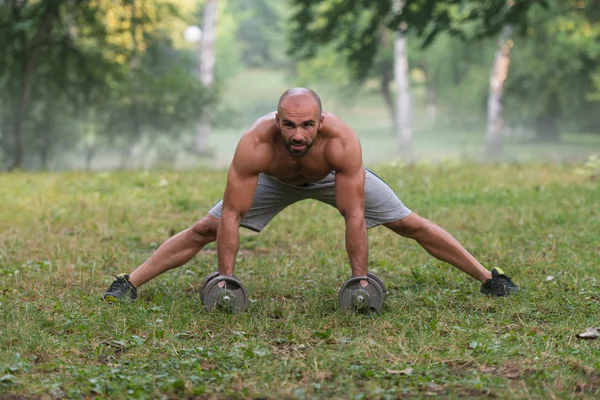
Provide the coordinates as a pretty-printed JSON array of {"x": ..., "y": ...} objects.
[
  {"x": 117, "y": 283},
  {"x": 505, "y": 280}
]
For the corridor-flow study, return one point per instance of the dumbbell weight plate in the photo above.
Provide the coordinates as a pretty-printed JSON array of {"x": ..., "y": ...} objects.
[
  {"x": 232, "y": 297},
  {"x": 207, "y": 279},
  {"x": 352, "y": 292},
  {"x": 380, "y": 282}
]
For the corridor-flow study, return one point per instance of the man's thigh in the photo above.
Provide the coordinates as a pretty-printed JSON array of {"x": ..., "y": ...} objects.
[{"x": 382, "y": 205}]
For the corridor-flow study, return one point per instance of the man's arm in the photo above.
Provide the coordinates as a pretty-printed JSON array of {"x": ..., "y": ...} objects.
[
  {"x": 249, "y": 160},
  {"x": 345, "y": 157}
]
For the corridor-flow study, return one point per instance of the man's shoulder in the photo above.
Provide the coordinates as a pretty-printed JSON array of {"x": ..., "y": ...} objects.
[
  {"x": 254, "y": 151},
  {"x": 343, "y": 147},
  {"x": 335, "y": 127},
  {"x": 337, "y": 132},
  {"x": 262, "y": 129}
]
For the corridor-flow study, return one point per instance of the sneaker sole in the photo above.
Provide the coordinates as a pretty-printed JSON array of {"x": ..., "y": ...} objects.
[{"x": 506, "y": 293}]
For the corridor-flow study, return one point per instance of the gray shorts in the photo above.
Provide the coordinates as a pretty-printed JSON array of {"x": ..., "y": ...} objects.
[{"x": 272, "y": 196}]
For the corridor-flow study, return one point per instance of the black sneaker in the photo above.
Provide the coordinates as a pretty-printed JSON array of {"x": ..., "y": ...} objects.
[
  {"x": 120, "y": 289},
  {"x": 499, "y": 285}
]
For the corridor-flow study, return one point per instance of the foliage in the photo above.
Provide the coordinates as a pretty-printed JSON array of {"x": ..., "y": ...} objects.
[
  {"x": 261, "y": 32},
  {"x": 353, "y": 25},
  {"x": 102, "y": 70},
  {"x": 62, "y": 234},
  {"x": 459, "y": 72},
  {"x": 551, "y": 75}
]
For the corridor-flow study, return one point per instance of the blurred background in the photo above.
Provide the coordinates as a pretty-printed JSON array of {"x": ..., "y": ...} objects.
[{"x": 144, "y": 84}]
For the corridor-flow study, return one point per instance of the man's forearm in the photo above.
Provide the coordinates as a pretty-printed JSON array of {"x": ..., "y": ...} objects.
[
  {"x": 228, "y": 243},
  {"x": 357, "y": 244}
]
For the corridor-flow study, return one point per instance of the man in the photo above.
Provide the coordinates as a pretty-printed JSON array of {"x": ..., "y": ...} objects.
[{"x": 296, "y": 153}]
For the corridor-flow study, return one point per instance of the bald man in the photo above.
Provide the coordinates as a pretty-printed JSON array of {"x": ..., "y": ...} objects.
[{"x": 297, "y": 153}]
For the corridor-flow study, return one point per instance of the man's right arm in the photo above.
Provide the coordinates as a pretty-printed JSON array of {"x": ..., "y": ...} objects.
[{"x": 249, "y": 160}]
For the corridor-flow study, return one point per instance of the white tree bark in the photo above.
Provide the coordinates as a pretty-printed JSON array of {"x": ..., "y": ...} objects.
[
  {"x": 206, "y": 71},
  {"x": 403, "y": 106},
  {"x": 495, "y": 118},
  {"x": 401, "y": 77}
]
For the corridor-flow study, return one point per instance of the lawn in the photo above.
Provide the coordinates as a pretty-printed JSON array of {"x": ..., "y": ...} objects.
[{"x": 63, "y": 234}]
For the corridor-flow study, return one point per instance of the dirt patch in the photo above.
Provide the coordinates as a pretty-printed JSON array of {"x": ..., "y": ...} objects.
[
  {"x": 432, "y": 389},
  {"x": 590, "y": 386},
  {"x": 507, "y": 370},
  {"x": 469, "y": 393}
]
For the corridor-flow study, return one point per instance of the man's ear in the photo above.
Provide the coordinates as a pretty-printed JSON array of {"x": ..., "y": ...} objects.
[
  {"x": 277, "y": 119},
  {"x": 321, "y": 122}
]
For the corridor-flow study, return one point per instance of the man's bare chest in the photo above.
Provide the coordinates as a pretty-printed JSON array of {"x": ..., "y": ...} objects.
[{"x": 304, "y": 170}]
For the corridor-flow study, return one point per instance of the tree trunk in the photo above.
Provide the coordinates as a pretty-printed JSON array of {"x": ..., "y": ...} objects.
[
  {"x": 71, "y": 26},
  {"x": 45, "y": 130},
  {"x": 29, "y": 64},
  {"x": 495, "y": 119},
  {"x": 90, "y": 138},
  {"x": 546, "y": 126},
  {"x": 431, "y": 102},
  {"x": 430, "y": 97},
  {"x": 206, "y": 67},
  {"x": 132, "y": 137},
  {"x": 21, "y": 113},
  {"x": 386, "y": 79},
  {"x": 403, "y": 106}
]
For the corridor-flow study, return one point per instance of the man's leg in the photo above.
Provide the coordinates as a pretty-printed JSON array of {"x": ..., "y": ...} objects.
[
  {"x": 173, "y": 253},
  {"x": 177, "y": 250},
  {"x": 439, "y": 244}
]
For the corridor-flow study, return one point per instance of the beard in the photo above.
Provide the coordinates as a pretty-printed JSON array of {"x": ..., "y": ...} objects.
[{"x": 298, "y": 149}]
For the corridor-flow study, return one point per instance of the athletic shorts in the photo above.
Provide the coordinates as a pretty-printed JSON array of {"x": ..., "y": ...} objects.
[{"x": 272, "y": 196}]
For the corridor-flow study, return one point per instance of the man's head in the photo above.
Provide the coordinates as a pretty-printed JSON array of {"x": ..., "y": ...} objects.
[{"x": 299, "y": 119}]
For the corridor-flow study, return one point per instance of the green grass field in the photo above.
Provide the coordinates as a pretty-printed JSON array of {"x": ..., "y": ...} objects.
[{"x": 61, "y": 235}]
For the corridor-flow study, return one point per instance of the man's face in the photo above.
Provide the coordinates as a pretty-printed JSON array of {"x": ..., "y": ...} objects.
[{"x": 299, "y": 119}]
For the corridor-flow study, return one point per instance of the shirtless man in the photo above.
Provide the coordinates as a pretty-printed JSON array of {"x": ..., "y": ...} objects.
[{"x": 296, "y": 153}]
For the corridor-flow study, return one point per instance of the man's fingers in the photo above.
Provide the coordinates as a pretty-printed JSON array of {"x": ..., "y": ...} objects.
[{"x": 363, "y": 283}]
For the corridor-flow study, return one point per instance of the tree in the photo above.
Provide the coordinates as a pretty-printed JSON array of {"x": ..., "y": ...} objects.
[
  {"x": 206, "y": 71},
  {"x": 495, "y": 120},
  {"x": 261, "y": 23},
  {"x": 352, "y": 24},
  {"x": 85, "y": 65},
  {"x": 29, "y": 32},
  {"x": 403, "y": 111},
  {"x": 551, "y": 81},
  {"x": 353, "y": 27}
]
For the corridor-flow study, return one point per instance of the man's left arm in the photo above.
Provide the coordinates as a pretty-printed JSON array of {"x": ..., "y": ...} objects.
[{"x": 350, "y": 200}]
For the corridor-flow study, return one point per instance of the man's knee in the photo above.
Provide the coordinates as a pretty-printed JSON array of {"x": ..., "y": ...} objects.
[
  {"x": 412, "y": 226},
  {"x": 206, "y": 227}
]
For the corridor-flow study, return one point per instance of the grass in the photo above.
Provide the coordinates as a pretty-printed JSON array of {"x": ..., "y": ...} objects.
[{"x": 62, "y": 234}]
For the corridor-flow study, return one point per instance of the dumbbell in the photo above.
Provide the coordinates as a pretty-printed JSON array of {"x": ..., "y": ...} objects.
[
  {"x": 368, "y": 299},
  {"x": 232, "y": 297}
]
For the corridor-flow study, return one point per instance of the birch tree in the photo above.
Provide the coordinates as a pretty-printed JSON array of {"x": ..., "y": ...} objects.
[
  {"x": 402, "y": 79},
  {"x": 353, "y": 28},
  {"x": 206, "y": 72},
  {"x": 495, "y": 117}
]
